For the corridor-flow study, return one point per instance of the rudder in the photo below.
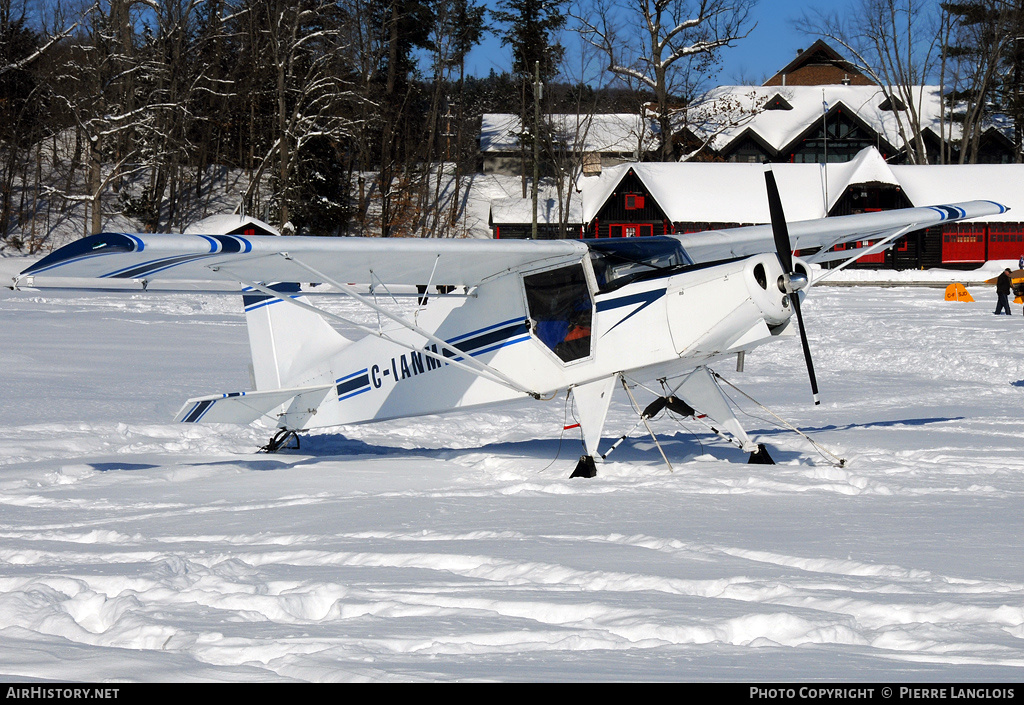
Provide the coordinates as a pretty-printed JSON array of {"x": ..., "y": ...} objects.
[{"x": 287, "y": 342}]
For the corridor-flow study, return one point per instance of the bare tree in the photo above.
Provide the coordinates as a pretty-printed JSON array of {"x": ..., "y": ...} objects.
[
  {"x": 54, "y": 34},
  {"x": 568, "y": 141},
  {"x": 304, "y": 54},
  {"x": 667, "y": 47},
  {"x": 980, "y": 52},
  {"x": 31, "y": 34},
  {"x": 94, "y": 84},
  {"x": 458, "y": 27},
  {"x": 896, "y": 43}
]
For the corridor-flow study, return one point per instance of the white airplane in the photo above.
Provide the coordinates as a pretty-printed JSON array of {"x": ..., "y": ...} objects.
[{"x": 529, "y": 319}]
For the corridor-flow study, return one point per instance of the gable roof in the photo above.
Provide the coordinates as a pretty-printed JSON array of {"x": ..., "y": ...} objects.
[
  {"x": 518, "y": 211},
  {"x": 735, "y": 192},
  {"x": 818, "y": 53},
  {"x": 951, "y": 183},
  {"x": 781, "y": 128},
  {"x": 712, "y": 192},
  {"x": 230, "y": 224}
]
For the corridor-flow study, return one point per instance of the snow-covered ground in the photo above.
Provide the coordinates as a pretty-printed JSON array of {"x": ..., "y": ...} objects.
[{"x": 457, "y": 547}]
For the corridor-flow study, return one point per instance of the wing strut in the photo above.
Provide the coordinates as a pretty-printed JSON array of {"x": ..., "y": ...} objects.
[
  {"x": 460, "y": 359},
  {"x": 880, "y": 245},
  {"x": 644, "y": 419}
]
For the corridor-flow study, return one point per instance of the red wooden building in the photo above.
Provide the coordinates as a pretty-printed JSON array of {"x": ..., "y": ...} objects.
[{"x": 644, "y": 199}]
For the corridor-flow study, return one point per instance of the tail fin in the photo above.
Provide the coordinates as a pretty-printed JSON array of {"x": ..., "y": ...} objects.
[{"x": 287, "y": 341}]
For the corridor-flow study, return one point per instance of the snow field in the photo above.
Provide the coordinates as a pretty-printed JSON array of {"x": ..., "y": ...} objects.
[{"x": 453, "y": 547}]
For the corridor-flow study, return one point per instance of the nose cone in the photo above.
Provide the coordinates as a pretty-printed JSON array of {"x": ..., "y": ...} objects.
[{"x": 796, "y": 281}]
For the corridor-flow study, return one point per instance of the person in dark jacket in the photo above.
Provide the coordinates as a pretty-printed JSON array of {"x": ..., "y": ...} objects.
[{"x": 1003, "y": 287}]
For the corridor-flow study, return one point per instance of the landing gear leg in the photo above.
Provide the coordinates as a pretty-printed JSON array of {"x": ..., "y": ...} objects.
[{"x": 280, "y": 440}]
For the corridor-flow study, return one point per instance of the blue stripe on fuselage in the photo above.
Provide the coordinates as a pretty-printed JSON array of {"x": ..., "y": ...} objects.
[{"x": 644, "y": 298}]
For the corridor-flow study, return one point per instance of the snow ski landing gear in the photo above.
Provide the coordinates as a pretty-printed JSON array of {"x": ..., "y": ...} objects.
[
  {"x": 585, "y": 467},
  {"x": 591, "y": 401},
  {"x": 760, "y": 456},
  {"x": 280, "y": 440}
]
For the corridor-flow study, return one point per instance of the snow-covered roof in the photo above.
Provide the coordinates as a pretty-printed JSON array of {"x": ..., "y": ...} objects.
[
  {"x": 932, "y": 185},
  {"x": 728, "y": 113},
  {"x": 735, "y": 192},
  {"x": 619, "y": 133},
  {"x": 520, "y": 210},
  {"x": 714, "y": 192},
  {"x": 228, "y": 223},
  {"x": 779, "y": 128}
]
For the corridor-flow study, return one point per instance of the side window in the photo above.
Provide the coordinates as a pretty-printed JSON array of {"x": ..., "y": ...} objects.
[{"x": 561, "y": 310}]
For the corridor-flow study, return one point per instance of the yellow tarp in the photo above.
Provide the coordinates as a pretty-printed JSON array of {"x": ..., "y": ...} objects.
[
  {"x": 1016, "y": 277},
  {"x": 958, "y": 292}
]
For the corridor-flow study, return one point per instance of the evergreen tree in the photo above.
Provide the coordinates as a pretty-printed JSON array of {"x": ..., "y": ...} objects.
[
  {"x": 321, "y": 203},
  {"x": 530, "y": 29}
]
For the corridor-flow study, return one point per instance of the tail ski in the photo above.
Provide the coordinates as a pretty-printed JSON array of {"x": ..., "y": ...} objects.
[{"x": 290, "y": 345}]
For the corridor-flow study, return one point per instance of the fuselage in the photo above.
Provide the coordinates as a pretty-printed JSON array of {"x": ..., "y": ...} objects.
[{"x": 552, "y": 328}]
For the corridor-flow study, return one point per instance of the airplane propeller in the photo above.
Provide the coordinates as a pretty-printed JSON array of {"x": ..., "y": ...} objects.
[{"x": 792, "y": 281}]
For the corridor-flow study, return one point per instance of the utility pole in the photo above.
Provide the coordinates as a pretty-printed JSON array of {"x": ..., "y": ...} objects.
[
  {"x": 824, "y": 134},
  {"x": 538, "y": 90}
]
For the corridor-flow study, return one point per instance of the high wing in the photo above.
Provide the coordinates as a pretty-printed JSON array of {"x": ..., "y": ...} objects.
[
  {"x": 130, "y": 260},
  {"x": 717, "y": 245}
]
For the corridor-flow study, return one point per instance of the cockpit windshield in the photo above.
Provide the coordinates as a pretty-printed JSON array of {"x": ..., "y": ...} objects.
[{"x": 619, "y": 261}]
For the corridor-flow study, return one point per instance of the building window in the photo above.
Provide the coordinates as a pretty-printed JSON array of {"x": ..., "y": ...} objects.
[
  {"x": 634, "y": 202},
  {"x": 748, "y": 151},
  {"x": 841, "y": 140}
]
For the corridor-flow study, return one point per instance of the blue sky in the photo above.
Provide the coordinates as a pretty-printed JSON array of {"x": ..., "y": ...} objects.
[{"x": 771, "y": 45}]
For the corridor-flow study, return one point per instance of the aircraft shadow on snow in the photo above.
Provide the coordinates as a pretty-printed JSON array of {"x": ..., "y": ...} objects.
[
  {"x": 122, "y": 467},
  {"x": 680, "y": 446},
  {"x": 873, "y": 424}
]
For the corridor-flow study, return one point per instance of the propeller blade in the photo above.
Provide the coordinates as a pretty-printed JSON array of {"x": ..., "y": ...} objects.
[
  {"x": 779, "y": 228},
  {"x": 794, "y": 298}
]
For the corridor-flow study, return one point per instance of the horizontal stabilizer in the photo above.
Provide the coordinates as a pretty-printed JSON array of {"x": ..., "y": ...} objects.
[{"x": 246, "y": 407}]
